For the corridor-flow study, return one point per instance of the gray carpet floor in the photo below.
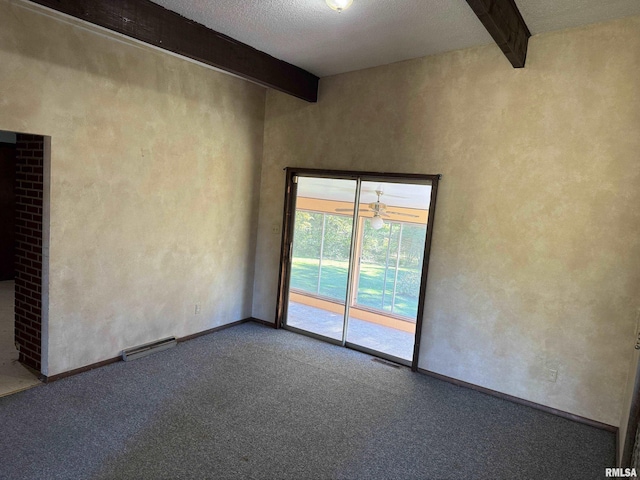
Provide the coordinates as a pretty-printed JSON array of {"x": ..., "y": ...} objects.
[{"x": 253, "y": 402}]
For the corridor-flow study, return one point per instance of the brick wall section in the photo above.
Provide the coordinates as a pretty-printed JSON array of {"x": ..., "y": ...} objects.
[{"x": 28, "y": 252}]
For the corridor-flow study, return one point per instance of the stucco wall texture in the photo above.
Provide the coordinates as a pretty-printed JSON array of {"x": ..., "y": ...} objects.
[
  {"x": 155, "y": 167},
  {"x": 535, "y": 263}
]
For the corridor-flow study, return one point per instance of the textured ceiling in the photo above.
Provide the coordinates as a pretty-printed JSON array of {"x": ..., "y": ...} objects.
[{"x": 307, "y": 33}]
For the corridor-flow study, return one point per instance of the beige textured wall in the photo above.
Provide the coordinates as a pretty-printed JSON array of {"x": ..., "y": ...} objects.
[
  {"x": 155, "y": 168},
  {"x": 536, "y": 250},
  {"x": 627, "y": 401}
]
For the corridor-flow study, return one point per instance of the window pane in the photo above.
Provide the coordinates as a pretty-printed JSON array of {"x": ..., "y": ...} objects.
[
  {"x": 335, "y": 256},
  {"x": 410, "y": 269},
  {"x": 306, "y": 251}
]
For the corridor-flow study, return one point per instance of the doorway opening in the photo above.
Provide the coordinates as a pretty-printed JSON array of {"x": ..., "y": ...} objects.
[
  {"x": 355, "y": 259},
  {"x": 23, "y": 262}
]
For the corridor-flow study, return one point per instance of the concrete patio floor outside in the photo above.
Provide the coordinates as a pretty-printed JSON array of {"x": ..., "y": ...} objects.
[{"x": 366, "y": 334}]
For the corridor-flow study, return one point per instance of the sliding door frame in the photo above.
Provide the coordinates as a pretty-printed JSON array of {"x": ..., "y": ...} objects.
[{"x": 286, "y": 246}]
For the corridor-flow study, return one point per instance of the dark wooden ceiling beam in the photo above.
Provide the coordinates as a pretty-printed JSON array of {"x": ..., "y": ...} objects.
[
  {"x": 150, "y": 23},
  {"x": 503, "y": 21}
]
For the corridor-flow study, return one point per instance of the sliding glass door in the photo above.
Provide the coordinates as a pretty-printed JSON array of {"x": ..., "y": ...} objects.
[
  {"x": 322, "y": 238},
  {"x": 353, "y": 264},
  {"x": 391, "y": 239}
]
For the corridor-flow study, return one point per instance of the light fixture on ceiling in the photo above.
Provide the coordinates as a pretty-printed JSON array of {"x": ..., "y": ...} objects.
[
  {"x": 339, "y": 5},
  {"x": 377, "y": 222},
  {"x": 379, "y": 210}
]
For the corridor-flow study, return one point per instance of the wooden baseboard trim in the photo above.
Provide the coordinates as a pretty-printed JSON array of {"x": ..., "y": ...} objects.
[
  {"x": 263, "y": 322},
  {"x": 109, "y": 361},
  {"x": 76, "y": 371},
  {"x": 522, "y": 401},
  {"x": 213, "y": 330}
]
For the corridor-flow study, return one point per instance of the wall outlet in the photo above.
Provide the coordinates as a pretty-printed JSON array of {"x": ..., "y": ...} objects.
[
  {"x": 196, "y": 311},
  {"x": 275, "y": 229},
  {"x": 552, "y": 375}
]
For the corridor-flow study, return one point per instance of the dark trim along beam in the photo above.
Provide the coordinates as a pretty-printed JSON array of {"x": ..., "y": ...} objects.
[
  {"x": 148, "y": 22},
  {"x": 503, "y": 21}
]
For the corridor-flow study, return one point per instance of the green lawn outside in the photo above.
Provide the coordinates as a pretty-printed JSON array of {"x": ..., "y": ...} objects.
[{"x": 304, "y": 276}]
